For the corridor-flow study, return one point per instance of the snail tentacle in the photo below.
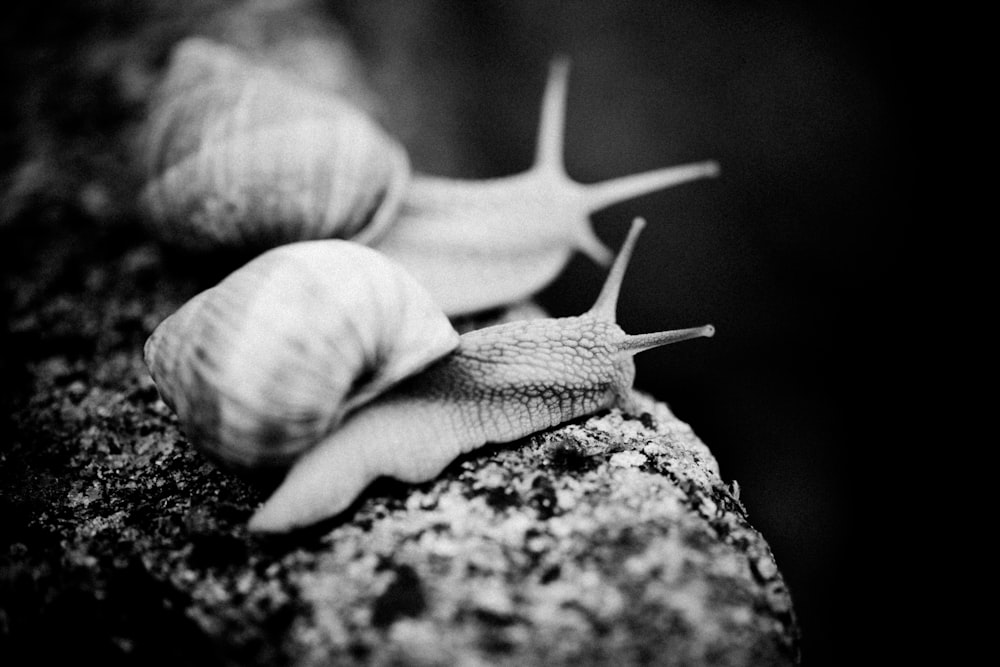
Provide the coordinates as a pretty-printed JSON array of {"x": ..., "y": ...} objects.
[{"x": 511, "y": 236}]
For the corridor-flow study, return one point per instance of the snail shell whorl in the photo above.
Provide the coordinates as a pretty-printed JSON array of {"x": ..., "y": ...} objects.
[
  {"x": 300, "y": 36},
  {"x": 245, "y": 156},
  {"x": 261, "y": 366}
]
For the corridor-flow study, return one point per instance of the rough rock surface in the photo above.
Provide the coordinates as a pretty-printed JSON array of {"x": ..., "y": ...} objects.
[{"x": 608, "y": 541}]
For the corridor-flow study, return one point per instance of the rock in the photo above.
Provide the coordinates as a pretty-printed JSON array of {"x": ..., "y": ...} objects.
[{"x": 612, "y": 540}]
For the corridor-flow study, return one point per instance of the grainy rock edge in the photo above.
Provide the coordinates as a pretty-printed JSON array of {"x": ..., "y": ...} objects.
[{"x": 609, "y": 540}]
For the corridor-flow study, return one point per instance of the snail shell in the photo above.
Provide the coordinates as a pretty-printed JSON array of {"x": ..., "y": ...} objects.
[
  {"x": 264, "y": 364},
  {"x": 245, "y": 156},
  {"x": 299, "y": 36}
]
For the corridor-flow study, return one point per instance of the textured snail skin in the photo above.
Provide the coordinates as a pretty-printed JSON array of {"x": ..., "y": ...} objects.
[{"x": 502, "y": 383}]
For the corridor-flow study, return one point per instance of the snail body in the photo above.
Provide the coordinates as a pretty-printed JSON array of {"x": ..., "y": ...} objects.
[
  {"x": 500, "y": 384},
  {"x": 241, "y": 156},
  {"x": 505, "y": 239}
]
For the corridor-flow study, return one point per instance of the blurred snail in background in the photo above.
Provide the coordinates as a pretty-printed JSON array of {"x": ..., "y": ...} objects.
[
  {"x": 326, "y": 356},
  {"x": 245, "y": 156}
]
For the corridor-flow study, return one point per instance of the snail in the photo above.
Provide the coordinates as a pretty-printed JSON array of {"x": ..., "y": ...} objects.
[
  {"x": 245, "y": 367},
  {"x": 242, "y": 155}
]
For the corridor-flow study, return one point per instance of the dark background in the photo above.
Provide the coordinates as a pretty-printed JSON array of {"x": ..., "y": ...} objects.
[{"x": 792, "y": 253}]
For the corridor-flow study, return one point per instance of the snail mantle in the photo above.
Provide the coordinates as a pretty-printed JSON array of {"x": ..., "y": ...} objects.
[{"x": 609, "y": 540}]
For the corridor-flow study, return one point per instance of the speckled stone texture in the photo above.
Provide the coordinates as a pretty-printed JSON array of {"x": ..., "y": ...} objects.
[{"x": 612, "y": 540}]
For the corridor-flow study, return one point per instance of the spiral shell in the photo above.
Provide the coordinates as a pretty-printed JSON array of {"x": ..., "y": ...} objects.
[
  {"x": 264, "y": 364},
  {"x": 299, "y": 36},
  {"x": 242, "y": 155}
]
